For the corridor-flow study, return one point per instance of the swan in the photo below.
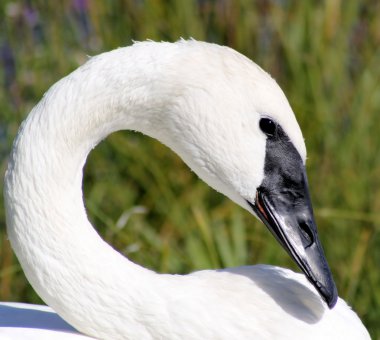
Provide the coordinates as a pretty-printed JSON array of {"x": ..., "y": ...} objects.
[{"x": 232, "y": 125}]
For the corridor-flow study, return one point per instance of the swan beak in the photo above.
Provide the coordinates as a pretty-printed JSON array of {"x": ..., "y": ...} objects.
[{"x": 285, "y": 208}]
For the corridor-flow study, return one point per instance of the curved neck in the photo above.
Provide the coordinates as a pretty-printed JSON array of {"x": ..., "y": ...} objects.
[
  {"x": 64, "y": 258},
  {"x": 72, "y": 118}
]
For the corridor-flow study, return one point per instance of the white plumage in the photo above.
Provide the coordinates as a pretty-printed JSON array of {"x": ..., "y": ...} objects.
[{"x": 205, "y": 102}]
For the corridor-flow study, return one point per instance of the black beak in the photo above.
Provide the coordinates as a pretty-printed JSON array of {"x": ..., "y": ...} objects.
[{"x": 283, "y": 204}]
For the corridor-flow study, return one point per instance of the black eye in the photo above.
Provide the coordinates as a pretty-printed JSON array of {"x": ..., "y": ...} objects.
[{"x": 268, "y": 126}]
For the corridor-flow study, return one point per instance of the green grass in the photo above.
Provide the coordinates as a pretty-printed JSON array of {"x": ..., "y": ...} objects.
[{"x": 144, "y": 200}]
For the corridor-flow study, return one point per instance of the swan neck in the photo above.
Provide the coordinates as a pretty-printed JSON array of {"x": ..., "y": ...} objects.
[{"x": 62, "y": 255}]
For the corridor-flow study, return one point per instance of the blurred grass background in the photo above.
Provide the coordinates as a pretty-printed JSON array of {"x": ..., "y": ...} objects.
[{"x": 144, "y": 200}]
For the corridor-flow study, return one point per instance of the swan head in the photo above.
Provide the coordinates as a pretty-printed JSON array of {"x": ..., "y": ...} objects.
[{"x": 235, "y": 128}]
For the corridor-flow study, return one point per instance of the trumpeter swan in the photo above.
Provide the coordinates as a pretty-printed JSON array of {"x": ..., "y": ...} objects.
[{"x": 232, "y": 124}]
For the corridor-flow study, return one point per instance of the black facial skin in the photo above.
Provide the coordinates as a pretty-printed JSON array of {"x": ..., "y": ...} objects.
[{"x": 283, "y": 204}]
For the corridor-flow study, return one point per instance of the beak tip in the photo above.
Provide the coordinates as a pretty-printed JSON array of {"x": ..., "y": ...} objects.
[
  {"x": 320, "y": 276},
  {"x": 332, "y": 303},
  {"x": 332, "y": 298},
  {"x": 327, "y": 290}
]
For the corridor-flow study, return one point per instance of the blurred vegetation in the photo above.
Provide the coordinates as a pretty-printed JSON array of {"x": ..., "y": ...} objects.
[{"x": 144, "y": 200}]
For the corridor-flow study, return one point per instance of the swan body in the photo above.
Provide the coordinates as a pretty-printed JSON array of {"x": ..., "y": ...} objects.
[{"x": 215, "y": 108}]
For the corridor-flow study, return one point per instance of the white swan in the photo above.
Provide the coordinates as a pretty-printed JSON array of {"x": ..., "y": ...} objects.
[{"x": 232, "y": 124}]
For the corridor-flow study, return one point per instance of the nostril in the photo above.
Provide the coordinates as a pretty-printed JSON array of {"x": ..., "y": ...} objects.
[{"x": 307, "y": 234}]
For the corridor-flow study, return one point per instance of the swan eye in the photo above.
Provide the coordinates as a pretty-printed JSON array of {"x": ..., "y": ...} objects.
[{"x": 268, "y": 126}]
